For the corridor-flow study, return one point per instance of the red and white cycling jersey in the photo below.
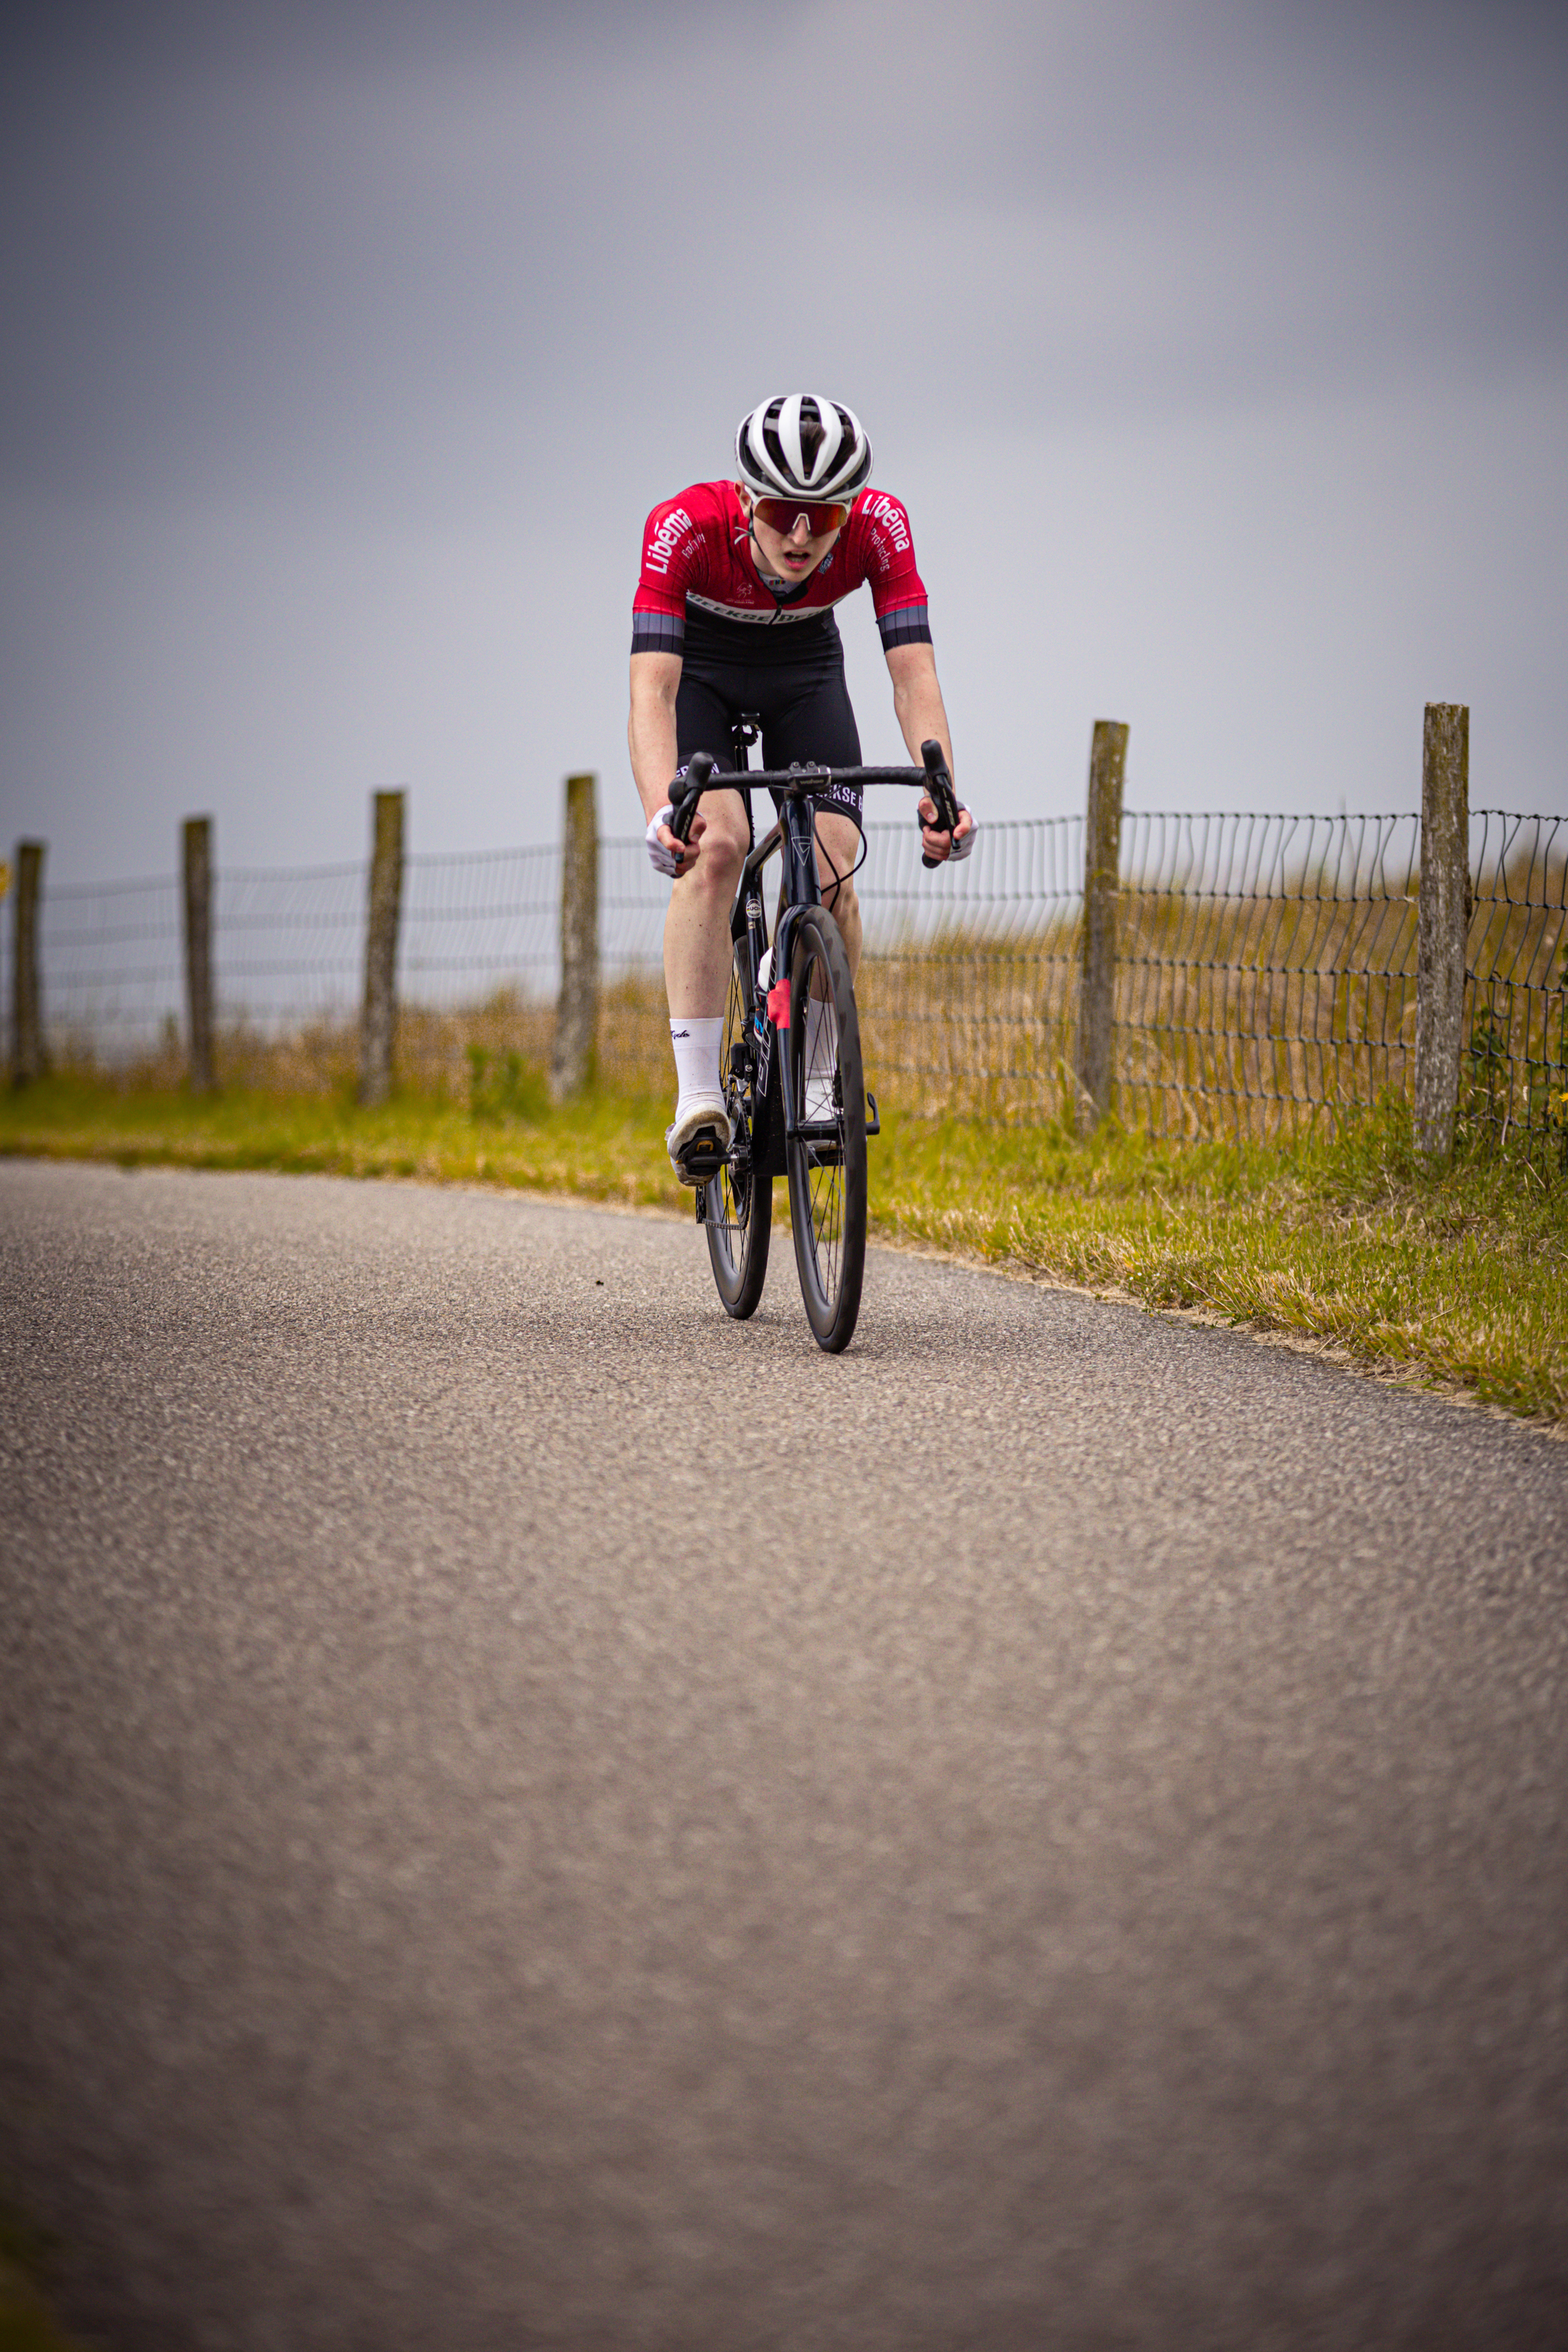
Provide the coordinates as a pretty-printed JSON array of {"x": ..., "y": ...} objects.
[{"x": 697, "y": 567}]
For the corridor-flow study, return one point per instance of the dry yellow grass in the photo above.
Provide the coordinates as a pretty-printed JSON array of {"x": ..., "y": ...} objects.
[{"x": 1245, "y": 1015}]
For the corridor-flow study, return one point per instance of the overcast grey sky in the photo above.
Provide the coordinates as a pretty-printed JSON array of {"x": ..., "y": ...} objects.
[{"x": 1220, "y": 353}]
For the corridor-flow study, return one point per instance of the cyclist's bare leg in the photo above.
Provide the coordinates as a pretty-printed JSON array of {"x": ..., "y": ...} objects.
[
  {"x": 837, "y": 852},
  {"x": 697, "y": 945}
]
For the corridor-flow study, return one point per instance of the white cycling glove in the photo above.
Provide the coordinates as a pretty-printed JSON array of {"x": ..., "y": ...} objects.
[{"x": 662, "y": 860}]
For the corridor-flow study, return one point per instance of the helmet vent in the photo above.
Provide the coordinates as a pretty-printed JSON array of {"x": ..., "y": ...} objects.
[{"x": 799, "y": 446}]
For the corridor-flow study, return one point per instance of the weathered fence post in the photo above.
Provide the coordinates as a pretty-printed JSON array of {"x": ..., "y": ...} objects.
[
  {"x": 1101, "y": 865},
  {"x": 386, "y": 905},
  {"x": 1442, "y": 924},
  {"x": 27, "y": 1057},
  {"x": 198, "y": 847},
  {"x": 577, "y": 1013}
]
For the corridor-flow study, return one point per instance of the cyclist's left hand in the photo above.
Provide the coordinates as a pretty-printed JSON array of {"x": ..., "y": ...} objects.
[{"x": 938, "y": 845}]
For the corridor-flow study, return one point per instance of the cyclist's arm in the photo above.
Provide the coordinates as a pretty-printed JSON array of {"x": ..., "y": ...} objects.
[
  {"x": 650, "y": 731},
  {"x": 917, "y": 700}
]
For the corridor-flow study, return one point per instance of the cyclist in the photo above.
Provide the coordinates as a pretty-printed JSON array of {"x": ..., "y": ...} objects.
[{"x": 734, "y": 613}]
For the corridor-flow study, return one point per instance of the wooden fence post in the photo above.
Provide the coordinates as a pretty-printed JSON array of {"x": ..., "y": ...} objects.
[
  {"x": 1442, "y": 924},
  {"x": 1101, "y": 881},
  {"x": 386, "y": 907},
  {"x": 577, "y": 1013},
  {"x": 27, "y": 1056},
  {"x": 197, "y": 846}
]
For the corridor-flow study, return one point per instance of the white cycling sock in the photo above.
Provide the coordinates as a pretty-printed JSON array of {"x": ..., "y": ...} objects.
[{"x": 696, "y": 1046}]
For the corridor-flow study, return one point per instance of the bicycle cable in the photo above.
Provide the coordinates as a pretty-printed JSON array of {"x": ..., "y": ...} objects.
[{"x": 840, "y": 879}]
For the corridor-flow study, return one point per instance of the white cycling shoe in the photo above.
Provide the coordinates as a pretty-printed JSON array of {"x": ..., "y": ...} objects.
[{"x": 699, "y": 1138}]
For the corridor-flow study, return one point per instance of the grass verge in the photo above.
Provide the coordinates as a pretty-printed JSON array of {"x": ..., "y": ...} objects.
[
  {"x": 608, "y": 1147},
  {"x": 1460, "y": 1277}
]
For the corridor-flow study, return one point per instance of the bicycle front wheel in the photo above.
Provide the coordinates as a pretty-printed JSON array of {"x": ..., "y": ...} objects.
[
  {"x": 826, "y": 1161},
  {"x": 739, "y": 1207}
]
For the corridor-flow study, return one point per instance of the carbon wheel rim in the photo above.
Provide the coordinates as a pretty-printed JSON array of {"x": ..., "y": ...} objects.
[
  {"x": 737, "y": 1208},
  {"x": 732, "y": 1201},
  {"x": 827, "y": 1174},
  {"x": 822, "y": 1096}
]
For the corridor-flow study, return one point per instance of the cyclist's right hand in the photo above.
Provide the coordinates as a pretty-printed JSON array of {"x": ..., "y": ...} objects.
[
  {"x": 937, "y": 847},
  {"x": 665, "y": 854}
]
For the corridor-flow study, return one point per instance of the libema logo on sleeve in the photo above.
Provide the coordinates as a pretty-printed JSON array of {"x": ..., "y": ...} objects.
[
  {"x": 888, "y": 515},
  {"x": 667, "y": 539}
]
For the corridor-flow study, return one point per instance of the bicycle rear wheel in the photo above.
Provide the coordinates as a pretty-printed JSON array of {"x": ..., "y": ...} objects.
[
  {"x": 738, "y": 1205},
  {"x": 828, "y": 1163}
]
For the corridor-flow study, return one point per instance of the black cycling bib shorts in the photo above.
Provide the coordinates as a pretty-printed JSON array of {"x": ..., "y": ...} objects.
[{"x": 793, "y": 680}]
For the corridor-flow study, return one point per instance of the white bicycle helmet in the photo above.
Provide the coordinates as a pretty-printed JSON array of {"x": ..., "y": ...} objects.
[{"x": 800, "y": 446}]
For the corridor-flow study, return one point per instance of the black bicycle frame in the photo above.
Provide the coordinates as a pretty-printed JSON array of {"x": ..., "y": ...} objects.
[{"x": 794, "y": 832}]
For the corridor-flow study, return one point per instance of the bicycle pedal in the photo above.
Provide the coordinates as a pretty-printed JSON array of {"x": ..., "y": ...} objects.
[{"x": 703, "y": 1157}]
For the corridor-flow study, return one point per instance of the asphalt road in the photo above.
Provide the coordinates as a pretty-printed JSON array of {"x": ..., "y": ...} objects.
[{"x": 533, "y": 1815}]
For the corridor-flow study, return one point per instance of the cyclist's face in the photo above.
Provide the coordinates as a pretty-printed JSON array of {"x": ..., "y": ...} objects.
[{"x": 788, "y": 555}]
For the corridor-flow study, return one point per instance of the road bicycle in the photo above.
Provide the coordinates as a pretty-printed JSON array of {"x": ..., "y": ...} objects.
[{"x": 791, "y": 1057}]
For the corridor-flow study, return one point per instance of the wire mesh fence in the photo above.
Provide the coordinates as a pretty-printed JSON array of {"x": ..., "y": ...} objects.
[
  {"x": 1516, "y": 1069},
  {"x": 1266, "y": 972},
  {"x": 109, "y": 957},
  {"x": 968, "y": 990},
  {"x": 289, "y": 946},
  {"x": 1266, "y": 968}
]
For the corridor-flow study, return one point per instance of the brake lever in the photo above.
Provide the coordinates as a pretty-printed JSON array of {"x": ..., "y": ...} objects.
[
  {"x": 939, "y": 784},
  {"x": 686, "y": 791}
]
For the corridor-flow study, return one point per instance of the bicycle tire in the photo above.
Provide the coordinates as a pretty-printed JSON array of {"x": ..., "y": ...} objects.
[
  {"x": 739, "y": 1210},
  {"x": 828, "y": 1177}
]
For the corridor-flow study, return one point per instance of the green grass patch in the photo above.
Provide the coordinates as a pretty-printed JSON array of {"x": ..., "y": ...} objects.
[
  {"x": 608, "y": 1147},
  {"x": 1460, "y": 1277}
]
